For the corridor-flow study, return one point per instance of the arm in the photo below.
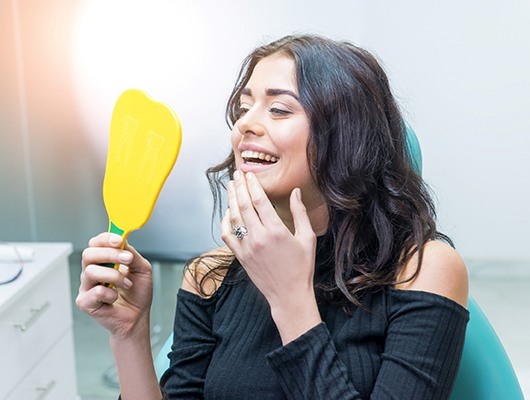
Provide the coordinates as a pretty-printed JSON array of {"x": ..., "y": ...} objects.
[
  {"x": 278, "y": 254},
  {"x": 193, "y": 342},
  {"x": 423, "y": 347},
  {"x": 420, "y": 359},
  {"x": 309, "y": 368},
  {"x": 123, "y": 310},
  {"x": 423, "y": 344},
  {"x": 442, "y": 272},
  {"x": 281, "y": 265},
  {"x": 134, "y": 362}
]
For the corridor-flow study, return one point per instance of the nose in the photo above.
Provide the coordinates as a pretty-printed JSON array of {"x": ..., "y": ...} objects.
[{"x": 251, "y": 123}]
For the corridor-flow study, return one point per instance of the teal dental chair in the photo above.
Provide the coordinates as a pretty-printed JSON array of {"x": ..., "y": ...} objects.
[
  {"x": 485, "y": 373},
  {"x": 485, "y": 370}
]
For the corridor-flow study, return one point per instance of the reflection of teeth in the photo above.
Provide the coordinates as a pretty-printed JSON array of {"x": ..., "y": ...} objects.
[{"x": 249, "y": 154}]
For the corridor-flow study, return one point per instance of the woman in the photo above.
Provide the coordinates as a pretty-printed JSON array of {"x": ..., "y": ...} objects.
[{"x": 334, "y": 283}]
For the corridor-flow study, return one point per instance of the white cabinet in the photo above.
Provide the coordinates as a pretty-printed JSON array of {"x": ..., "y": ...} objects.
[{"x": 36, "y": 337}]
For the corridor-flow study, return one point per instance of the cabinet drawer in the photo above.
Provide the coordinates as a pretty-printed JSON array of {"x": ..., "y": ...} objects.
[
  {"x": 33, "y": 325},
  {"x": 53, "y": 378}
]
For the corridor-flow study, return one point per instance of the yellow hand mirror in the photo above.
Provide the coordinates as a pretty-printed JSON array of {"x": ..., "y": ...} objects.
[{"x": 144, "y": 143}]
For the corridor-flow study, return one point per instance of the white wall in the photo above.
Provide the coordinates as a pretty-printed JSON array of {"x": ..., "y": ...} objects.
[{"x": 459, "y": 70}]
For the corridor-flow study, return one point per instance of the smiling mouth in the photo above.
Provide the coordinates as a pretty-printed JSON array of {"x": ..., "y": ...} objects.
[{"x": 256, "y": 158}]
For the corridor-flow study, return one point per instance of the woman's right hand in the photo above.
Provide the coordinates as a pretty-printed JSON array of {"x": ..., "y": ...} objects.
[{"x": 124, "y": 308}]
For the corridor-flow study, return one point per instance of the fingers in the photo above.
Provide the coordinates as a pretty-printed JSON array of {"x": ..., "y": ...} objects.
[
  {"x": 250, "y": 206},
  {"x": 248, "y": 202},
  {"x": 138, "y": 262},
  {"x": 302, "y": 224},
  {"x": 91, "y": 301},
  {"x": 226, "y": 229},
  {"x": 242, "y": 210},
  {"x": 105, "y": 255},
  {"x": 109, "y": 248},
  {"x": 105, "y": 249},
  {"x": 106, "y": 239},
  {"x": 260, "y": 202},
  {"x": 92, "y": 296},
  {"x": 93, "y": 274}
]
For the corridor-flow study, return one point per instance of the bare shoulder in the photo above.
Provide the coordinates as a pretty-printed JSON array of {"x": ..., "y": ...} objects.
[
  {"x": 442, "y": 272},
  {"x": 201, "y": 276}
]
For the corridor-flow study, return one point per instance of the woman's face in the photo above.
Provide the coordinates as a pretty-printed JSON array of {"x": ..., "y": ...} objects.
[{"x": 270, "y": 137}]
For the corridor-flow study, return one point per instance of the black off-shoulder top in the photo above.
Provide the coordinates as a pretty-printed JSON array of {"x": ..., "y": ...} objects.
[{"x": 400, "y": 345}]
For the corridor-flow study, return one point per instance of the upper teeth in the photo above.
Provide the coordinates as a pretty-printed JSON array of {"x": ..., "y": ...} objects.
[{"x": 257, "y": 154}]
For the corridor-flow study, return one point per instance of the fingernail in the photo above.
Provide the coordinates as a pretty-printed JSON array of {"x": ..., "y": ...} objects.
[
  {"x": 114, "y": 239},
  {"x": 237, "y": 174},
  {"x": 127, "y": 283},
  {"x": 249, "y": 175},
  {"x": 125, "y": 257},
  {"x": 298, "y": 194}
]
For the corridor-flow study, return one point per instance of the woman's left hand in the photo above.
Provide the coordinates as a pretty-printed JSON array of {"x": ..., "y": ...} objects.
[{"x": 280, "y": 263}]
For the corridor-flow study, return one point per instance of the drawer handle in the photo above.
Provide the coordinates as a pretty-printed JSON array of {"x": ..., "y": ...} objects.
[
  {"x": 44, "y": 390},
  {"x": 36, "y": 313}
]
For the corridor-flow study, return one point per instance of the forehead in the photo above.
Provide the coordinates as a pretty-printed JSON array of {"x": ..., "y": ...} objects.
[{"x": 273, "y": 72}]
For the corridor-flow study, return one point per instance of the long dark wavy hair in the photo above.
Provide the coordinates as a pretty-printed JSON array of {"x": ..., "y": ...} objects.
[{"x": 381, "y": 212}]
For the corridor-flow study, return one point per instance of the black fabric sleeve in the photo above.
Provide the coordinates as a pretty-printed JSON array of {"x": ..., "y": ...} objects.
[
  {"x": 423, "y": 348},
  {"x": 422, "y": 352},
  {"x": 309, "y": 368},
  {"x": 192, "y": 347}
]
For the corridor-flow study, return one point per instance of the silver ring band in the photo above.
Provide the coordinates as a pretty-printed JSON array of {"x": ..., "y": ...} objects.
[{"x": 240, "y": 231}]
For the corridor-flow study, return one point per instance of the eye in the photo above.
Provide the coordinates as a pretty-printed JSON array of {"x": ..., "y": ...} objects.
[
  {"x": 278, "y": 112},
  {"x": 241, "y": 111}
]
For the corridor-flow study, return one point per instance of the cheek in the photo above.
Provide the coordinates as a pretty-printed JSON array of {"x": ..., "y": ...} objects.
[
  {"x": 234, "y": 139},
  {"x": 297, "y": 149}
]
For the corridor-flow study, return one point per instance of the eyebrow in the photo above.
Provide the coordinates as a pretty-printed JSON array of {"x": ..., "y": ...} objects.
[{"x": 272, "y": 93}]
